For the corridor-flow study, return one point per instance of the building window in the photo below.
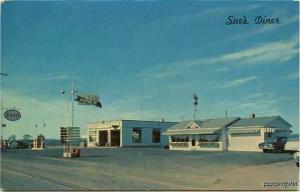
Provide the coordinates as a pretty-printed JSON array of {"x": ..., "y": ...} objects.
[
  {"x": 245, "y": 134},
  {"x": 180, "y": 138},
  {"x": 209, "y": 138},
  {"x": 136, "y": 135},
  {"x": 155, "y": 135},
  {"x": 92, "y": 139}
]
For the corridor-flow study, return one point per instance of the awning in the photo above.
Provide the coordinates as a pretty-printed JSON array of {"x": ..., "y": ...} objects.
[
  {"x": 281, "y": 132},
  {"x": 269, "y": 130},
  {"x": 200, "y": 131},
  {"x": 244, "y": 131}
]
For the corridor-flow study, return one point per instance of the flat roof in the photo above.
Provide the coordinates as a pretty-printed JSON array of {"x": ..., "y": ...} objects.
[{"x": 158, "y": 121}]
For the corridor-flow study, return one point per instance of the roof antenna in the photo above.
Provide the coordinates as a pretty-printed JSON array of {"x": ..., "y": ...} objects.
[{"x": 195, "y": 103}]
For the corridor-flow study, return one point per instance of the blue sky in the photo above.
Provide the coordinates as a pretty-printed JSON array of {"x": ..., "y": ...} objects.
[{"x": 145, "y": 59}]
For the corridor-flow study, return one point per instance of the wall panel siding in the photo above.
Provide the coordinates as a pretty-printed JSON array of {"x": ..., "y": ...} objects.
[{"x": 146, "y": 127}]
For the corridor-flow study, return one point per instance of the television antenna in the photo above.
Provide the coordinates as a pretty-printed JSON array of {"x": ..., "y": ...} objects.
[{"x": 195, "y": 104}]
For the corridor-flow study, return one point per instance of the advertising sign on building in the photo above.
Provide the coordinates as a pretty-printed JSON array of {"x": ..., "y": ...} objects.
[{"x": 12, "y": 115}]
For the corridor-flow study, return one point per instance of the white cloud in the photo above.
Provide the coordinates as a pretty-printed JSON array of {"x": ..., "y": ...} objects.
[
  {"x": 275, "y": 52},
  {"x": 224, "y": 69},
  {"x": 262, "y": 106},
  {"x": 237, "y": 82},
  {"x": 41, "y": 77},
  {"x": 34, "y": 112},
  {"x": 272, "y": 52},
  {"x": 258, "y": 95},
  {"x": 292, "y": 76},
  {"x": 57, "y": 77},
  {"x": 37, "y": 111},
  {"x": 157, "y": 74}
]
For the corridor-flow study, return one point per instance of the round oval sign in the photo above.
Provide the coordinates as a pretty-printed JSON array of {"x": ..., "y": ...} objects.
[{"x": 12, "y": 115}]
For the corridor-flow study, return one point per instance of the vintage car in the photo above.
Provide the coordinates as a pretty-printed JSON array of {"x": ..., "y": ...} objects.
[{"x": 273, "y": 146}]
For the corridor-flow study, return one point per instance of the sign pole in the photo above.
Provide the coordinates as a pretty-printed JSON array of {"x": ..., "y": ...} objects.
[
  {"x": 1, "y": 99},
  {"x": 69, "y": 117},
  {"x": 2, "y": 125}
]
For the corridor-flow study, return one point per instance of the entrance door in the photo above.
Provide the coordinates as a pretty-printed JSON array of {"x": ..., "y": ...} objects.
[
  {"x": 103, "y": 138},
  {"x": 115, "y": 137},
  {"x": 193, "y": 142}
]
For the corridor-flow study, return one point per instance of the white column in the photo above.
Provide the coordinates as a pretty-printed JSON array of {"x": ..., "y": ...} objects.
[{"x": 109, "y": 136}]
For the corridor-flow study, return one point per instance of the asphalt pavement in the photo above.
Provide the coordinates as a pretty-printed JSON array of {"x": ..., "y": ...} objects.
[{"x": 123, "y": 168}]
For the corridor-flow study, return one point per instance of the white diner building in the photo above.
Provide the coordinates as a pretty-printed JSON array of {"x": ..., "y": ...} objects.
[{"x": 226, "y": 134}]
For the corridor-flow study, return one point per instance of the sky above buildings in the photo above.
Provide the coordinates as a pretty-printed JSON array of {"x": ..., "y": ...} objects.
[{"x": 145, "y": 59}]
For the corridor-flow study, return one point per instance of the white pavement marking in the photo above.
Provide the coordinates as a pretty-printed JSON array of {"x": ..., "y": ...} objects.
[
  {"x": 68, "y": 160},
  {"x": 38, "y": 177}
]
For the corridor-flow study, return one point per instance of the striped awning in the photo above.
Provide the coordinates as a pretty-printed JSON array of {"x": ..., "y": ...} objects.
[
  {"x": 244, "y": 131},
  {"x": 269, "y": 130},
  {"x": 281, "y": 132},
  {"x": 200, "y": 131}
]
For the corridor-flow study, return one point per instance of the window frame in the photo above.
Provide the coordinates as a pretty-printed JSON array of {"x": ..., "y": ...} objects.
[
  {"x": 159, "y": 137},
  {"x": 139, "y": 132}
]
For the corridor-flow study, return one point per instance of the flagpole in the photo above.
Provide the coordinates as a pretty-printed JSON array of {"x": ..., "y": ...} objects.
[{"x": 72, "y": 112}]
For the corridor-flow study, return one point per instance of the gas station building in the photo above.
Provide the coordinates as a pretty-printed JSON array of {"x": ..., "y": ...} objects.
[{"x": 128, "y": 133}]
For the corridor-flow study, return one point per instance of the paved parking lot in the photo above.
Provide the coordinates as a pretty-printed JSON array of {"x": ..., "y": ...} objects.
[{"x": 144, "y": 169}]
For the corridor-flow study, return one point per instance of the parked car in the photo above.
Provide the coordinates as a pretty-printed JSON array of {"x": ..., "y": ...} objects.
[
  {"x": 273, "y": 146},
  {"x": 296, "y": 158}
]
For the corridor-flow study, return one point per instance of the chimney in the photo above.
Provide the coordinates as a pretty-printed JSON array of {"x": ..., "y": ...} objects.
[{"x": 253, "y": 115}]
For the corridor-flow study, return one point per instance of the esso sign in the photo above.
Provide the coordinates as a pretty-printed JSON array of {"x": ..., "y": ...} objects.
[{"x": 12, "y": 115}]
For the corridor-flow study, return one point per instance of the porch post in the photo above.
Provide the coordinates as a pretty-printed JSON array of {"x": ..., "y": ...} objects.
[
  {"x": 109, "y": 136},
  {"x": 224, "y": 140}
]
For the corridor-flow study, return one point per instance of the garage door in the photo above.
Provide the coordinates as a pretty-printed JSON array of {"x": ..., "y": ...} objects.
[{"x": 244, "y": 143}]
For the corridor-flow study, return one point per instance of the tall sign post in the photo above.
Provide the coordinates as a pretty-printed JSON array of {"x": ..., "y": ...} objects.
[
  {"x": 1, "y": 100},
  {"x": 82, "y": 100},
  {"x": 69, "y": 123}
]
